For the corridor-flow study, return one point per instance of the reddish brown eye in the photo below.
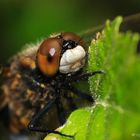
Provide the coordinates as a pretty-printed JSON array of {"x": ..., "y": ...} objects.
[
  {"x": 48, "y": 56},
  {"x": 73, "y": 37}
]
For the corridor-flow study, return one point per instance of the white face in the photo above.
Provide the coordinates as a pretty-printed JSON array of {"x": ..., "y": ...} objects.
[{"x": 72, "y": 60}]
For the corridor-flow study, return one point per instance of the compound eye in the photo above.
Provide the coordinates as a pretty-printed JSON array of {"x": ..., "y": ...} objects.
[
  {"x": 48, "y": 56},
  {"x": 72, "y": 36}
]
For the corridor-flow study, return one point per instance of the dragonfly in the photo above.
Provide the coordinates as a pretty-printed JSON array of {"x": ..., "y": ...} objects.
[{"x": 31, "y": 93}]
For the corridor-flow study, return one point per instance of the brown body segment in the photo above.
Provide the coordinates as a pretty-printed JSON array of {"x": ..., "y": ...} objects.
[{"x": 22, "y": 98}]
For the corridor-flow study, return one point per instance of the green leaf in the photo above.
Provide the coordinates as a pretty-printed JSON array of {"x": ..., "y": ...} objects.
[{"x": 116, "y": 112}]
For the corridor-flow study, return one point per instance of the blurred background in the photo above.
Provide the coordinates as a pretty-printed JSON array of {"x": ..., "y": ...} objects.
[{"x": 25, "y": 21}]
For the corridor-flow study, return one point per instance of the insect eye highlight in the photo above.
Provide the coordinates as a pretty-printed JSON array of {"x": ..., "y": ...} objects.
[
  {"x": 51, "y": 55},
  {"x": 48, "y": 56}
]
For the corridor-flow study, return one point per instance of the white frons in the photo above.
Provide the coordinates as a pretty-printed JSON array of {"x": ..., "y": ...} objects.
[{"x": 72, "y": 60}]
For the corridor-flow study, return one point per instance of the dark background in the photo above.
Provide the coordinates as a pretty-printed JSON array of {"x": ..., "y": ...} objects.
[{"x": 25, "y": 21}]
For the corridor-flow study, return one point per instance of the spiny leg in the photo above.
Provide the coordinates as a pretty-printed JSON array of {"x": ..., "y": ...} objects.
[
  {"x": 81, "y": 77},
  {"x": 60, "y": 106},
  {"x": 33, "y": 123},
  {"x": 81, "y": 94},
  {"x": 60, "y": 110},
  {"x": 84, "y": 76}
]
